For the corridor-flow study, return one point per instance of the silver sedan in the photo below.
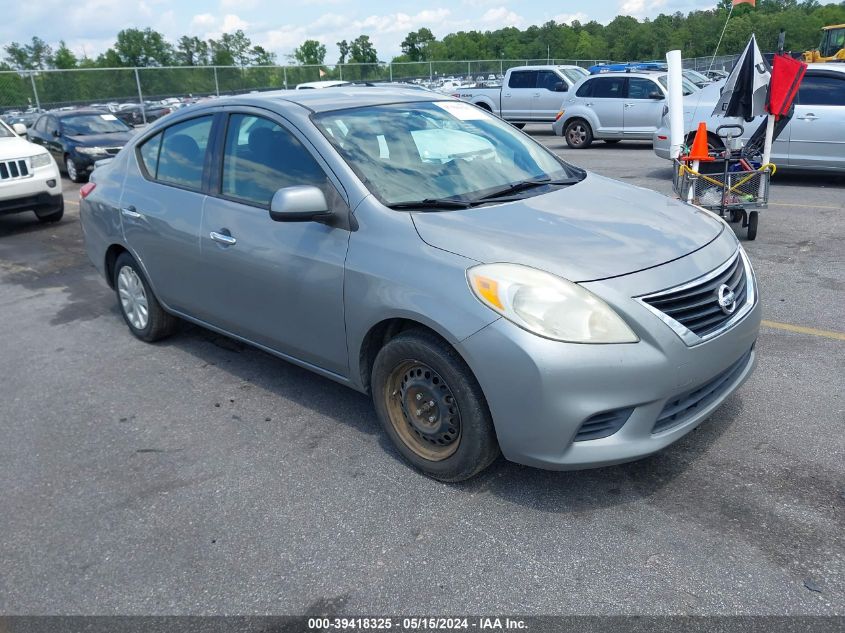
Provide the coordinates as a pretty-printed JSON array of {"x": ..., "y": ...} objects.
[{"x": 489, "y": 296}]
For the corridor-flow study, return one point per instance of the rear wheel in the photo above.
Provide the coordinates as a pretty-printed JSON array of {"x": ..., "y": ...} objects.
[
  {"x": 578, "y": 134},
  {"x": 140, "y": 309},
  {"x": 752, "y": 225},
  {"x": 432, "y": 407}
]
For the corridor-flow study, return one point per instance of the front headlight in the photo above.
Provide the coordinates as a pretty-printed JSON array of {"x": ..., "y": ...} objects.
[
  {"x": 40, "y": 160},
  {"x": 92, "y": 151},
  {"x": 548, "y": 305}
]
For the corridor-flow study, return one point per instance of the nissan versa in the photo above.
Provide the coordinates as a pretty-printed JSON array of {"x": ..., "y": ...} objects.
[{"x": 488, "y": 295}]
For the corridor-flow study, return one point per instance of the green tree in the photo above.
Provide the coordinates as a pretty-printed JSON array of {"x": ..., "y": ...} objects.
[
  {"x": 136, "y": 47},
  {"x": 64, "y": 57},
  {"x": 259, "y": 56},
  {"x": 310, "y": 52},
  {"x": 191, "y": 51},
  {"x": 343, "y": 49},
  {"x": 17, "y": 56},
  {"x": 415, "y": 45},
  {"x": 40, "y": 54}
]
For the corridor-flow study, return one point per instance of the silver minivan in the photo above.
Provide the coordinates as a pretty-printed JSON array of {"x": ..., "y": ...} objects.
[
  {"x": 489, "y": 296},
  {"x": 614, "y": 106}
]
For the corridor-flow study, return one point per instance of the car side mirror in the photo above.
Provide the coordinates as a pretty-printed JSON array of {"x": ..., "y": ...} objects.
[
  {"x": 561, "y": 87},
  {"x": 657, "y": 96},
  {"x": 20, "y": 129},
  {"x": 301, "y": 203}
]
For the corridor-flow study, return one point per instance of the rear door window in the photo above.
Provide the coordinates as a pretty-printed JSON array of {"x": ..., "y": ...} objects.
[
  {"x": 523, "y": 79},
  {"x": 182, "y": 154},
  {"x": 609, "y": 87},
  {"x": 149, "y": 155},
  {"x": 586, "y": 89}
]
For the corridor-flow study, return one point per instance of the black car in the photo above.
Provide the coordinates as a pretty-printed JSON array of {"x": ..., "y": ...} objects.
[
  {"x": 133, "y": 115},
  {"x": 79, "y": 138}
]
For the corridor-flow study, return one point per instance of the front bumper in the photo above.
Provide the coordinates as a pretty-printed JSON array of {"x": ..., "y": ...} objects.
[
  {"x": 540, "y": 392},
  {"x": 33, "y": 193}
]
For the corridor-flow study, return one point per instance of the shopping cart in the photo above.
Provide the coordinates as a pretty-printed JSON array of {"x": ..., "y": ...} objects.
[{"x": 733, "y": 185}]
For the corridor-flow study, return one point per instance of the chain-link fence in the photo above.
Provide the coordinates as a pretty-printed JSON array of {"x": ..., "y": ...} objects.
[{"x": 44, "y": 89}]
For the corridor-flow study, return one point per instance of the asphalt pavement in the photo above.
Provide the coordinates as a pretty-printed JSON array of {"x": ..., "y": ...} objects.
[{"x": 201, "y": 476}]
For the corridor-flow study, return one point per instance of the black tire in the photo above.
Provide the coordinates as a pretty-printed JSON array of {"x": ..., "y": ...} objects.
[
  {"x": 461, "y": 441},
  {"x": 73, "y": 173},
  {"x": 752, "y": 225},
  {"x": 578, "y": 134},
  {"x": 735, "y": 216},
  {"x": 53, "y": 216},
  {"x": 611, "y": 141},
  {"x": 158, "y": 324}
]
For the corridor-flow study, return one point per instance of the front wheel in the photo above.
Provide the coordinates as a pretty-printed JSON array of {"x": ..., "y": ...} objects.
[
  {"x": 432, "y": 408},
  {"x": 72, "y": 172},
  {"x": 578, "y": 134},
  {"x": 53, "y": 216},
  {"x": 140, "y": 309}
]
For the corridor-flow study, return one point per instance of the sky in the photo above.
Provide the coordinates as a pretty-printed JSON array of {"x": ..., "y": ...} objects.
[{"x": 89, "y": 26}]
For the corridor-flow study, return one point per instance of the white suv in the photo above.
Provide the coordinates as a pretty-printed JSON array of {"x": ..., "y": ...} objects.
[
  {"x": 614, "y": 106},
  {"x": 29, "y": 177}
]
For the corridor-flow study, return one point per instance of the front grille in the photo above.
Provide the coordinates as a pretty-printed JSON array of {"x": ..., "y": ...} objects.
[
  {"x": 696, "y": 306},
  {"x": 680, "y": 408},
  {"x": 13, "y": 169},
  {"x": 603, "y": 424}
]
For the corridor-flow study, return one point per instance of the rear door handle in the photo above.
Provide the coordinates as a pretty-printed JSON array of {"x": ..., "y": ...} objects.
[
  {"x": 222, "y": 238},
  {"x": 808, "y": 117},
  {"x": 629, "y": 105},
  {"x": 130, "y": 212}
]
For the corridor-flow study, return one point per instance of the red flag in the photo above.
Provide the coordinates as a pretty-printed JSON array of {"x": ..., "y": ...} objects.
[
  {"x": 753, "y": 3},
  {"x": 787, "y": 74}
]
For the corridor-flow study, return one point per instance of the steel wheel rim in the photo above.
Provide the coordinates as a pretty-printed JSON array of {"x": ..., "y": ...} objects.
[
  {"x": 423, "y": 410},
  {"x": 133, "y": 298},
  {"x": 577, "y": 134},
  {"x": 71, "y": 169}
]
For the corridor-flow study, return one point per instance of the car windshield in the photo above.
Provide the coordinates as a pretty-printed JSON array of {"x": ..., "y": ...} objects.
[
  {"x": 5, "y": 132},
  {"x": 86, "y": 124},
  {"x": 688, "y": 86},
  {"x": 573, "y": 74},
  {"x": 429, "y": 151}
]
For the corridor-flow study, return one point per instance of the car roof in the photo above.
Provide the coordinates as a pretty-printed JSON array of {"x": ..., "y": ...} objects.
[
  {"x": 632, "y": 73},
  {"x": 66, "y": 113},
  {"x": 339, "y": 98}
]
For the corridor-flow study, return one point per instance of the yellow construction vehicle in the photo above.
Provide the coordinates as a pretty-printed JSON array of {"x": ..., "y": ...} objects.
[{"x": 832, "y": 47}]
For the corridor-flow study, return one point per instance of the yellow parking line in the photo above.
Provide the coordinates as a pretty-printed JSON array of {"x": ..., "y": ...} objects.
[{"x": 800, "y": 329}]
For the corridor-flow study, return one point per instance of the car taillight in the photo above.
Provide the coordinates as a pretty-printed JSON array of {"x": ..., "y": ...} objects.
[{"x": 86, "y": 189}]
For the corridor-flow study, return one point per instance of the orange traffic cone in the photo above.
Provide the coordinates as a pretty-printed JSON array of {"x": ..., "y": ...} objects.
[{"x": 699, "y": 146}]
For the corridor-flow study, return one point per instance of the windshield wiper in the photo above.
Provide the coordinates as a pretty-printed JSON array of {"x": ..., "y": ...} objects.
[
  {"x": 522, "y": 185},
  {"x": 430, "y": 203}
]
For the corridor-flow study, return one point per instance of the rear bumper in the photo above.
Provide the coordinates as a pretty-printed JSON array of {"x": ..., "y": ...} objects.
[{"x": 40, "y": 203}]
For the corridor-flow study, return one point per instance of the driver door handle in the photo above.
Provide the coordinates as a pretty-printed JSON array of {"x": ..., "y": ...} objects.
[
  {"x": 226, "y": 240},
  {"x": 130, "y": 212},
  {"x": 808, "y": 117}
]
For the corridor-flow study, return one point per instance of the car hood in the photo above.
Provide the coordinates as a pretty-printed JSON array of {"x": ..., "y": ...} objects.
[
  {"x": 596, "y": 229},
  {"x": 16, "y": 147},
  {"x": 118, "y": 139}
]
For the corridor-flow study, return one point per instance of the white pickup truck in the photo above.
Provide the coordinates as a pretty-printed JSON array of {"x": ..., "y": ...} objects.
[{"x": 528, "y": 94}]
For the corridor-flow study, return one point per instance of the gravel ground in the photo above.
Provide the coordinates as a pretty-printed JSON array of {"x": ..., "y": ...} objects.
[{"x": 201, "y": 476}]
